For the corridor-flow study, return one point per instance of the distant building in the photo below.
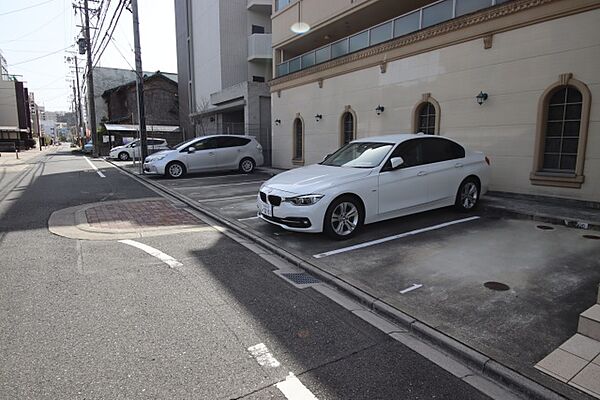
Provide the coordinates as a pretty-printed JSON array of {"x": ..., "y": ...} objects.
[
  {"x": 516, "y": 79},
  {"x": 15, "y": 123},
  {"x": 224, "y": 61}
]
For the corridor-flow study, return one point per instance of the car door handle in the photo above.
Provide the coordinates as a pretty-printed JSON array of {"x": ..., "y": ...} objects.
[
  {"x": 422, "y": 173},
  {"x": 458, "y": 165}
]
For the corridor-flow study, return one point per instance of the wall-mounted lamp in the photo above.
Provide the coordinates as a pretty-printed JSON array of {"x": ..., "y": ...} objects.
[
  {"x": 379, "y": 109},
  {"x": 481, "y": 97},
  {"x": 318, "y": 117},
  {"x": 277, "y": 122}
]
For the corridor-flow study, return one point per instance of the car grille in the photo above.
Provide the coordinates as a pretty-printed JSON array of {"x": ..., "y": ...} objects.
[
  {"x": 263, "y": 197},
  {"x": 274, "y": 200}
]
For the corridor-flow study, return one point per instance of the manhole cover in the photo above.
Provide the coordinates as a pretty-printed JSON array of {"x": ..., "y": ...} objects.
[
  {"x": 545, "y": 227},
  {"x": 501, "y": 287},
  {"x": 301, "y": 278},
  {"x": 593, "y": 237}
]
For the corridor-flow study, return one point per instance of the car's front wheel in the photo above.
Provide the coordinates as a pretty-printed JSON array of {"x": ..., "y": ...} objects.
[
  {"x": 175, "y": 170},
  {"x": 343, "y": 218},
  {"x": 124, "y": 156},
  {"x": 467, "y": 197}
]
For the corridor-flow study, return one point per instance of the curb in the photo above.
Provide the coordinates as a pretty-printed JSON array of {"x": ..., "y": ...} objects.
[{"x": 488, "y": 367}]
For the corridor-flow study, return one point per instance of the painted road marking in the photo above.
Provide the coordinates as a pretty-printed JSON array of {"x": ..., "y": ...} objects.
[
  {"x": 389, "y": 238},
  {"x": 226, "y": 198},
  {"x": 167, "y": 259},
  {"x": 94, "y": 167},
  {"x": 293, "y": 389},
  {"x": 221, "y": 185},
  {"x": 263, "y": 356},
  {"x": 411, "y": 288},
  {"x": 248, "y": 219}
]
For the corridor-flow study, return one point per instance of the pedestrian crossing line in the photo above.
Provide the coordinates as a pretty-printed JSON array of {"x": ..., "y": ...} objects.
[{"x": 293, "y": 389}]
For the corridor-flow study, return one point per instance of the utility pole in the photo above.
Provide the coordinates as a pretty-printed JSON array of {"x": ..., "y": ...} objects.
[
  {"x": 81, "y": 126},
  {"x": 90, "y": 81},
  {"x": 140, "y": 83}
]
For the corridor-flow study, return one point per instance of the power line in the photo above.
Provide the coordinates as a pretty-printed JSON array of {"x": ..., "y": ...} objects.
[
  {"x": 119, "y": 50},
  {"x": 108, "y": 35},
  {"x": 27, "y": 8},
  {"x": 35, "y": 30},
  {"x": 37, "y": 58}
]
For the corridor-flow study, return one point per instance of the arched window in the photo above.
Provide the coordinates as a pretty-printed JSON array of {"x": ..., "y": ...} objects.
[
  {"x": 426, "y": 119},
  {"x": 348, "y": 128},
  {"x": 562, "y": 130},
  {"x": 561, "y": 137},
  {"x": 298, "y": 140}
]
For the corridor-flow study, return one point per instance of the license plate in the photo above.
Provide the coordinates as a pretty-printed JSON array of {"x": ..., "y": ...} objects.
[{"x": 266, "y": 209}]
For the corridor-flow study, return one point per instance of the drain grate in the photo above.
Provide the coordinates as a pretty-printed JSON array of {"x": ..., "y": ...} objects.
[
  {"x": 593, "y": 237},
  {"x": 301, "y": 278},
  {"x": 545, "y": 227},
  {"x": 500, "y": 287}
]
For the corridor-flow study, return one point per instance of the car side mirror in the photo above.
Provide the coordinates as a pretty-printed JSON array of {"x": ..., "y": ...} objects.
[
  {"x": 191, "y": 149},
  {"x": 326, "y": 157},
  {"x": 396, "y": 162},
  {"x": 133, "y": 145}
]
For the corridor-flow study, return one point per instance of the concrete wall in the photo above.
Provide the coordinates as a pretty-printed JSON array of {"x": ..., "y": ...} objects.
[
  {"x": 8, "y": 104},
  {"x": 515, "y": 72},
  {"x": 183, "y": 62}
]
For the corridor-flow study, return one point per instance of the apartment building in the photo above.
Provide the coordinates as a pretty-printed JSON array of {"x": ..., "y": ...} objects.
[
  {"x": 224, "y": 60},
  {"x": 516, "y": 79}
]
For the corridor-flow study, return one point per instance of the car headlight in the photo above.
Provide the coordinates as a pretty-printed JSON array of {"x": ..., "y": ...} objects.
[{"x": 304, "y": 200}]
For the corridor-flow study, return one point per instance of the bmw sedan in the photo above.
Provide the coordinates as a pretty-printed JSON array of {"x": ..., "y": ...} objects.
[
  {"x": 375, "y": 179},
  {"x": 207, "y": 153}
]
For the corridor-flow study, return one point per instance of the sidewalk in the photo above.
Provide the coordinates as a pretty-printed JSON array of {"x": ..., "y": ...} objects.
[{"x": 10, "y": 158}]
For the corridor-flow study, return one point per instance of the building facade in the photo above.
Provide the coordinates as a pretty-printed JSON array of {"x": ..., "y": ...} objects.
[
  {"x": 224, "y": 61},
  {"x": 15, "y": 122},
  {"x": 515, "y": 79}
]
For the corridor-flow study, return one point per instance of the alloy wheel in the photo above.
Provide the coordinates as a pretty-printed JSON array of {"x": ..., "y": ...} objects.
[
  {"x": 469, "y": 195},
  {"x": 344, "y": 218},
  {"x": 175, "y": 170}
]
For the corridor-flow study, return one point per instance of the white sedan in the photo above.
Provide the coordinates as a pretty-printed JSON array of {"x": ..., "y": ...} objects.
[{"x": 374, "y": 179}]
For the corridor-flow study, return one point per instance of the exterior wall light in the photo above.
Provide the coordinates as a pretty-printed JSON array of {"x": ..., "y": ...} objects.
[
  {"x": 379, "y": 109},
  {"x": 318, "y": 117},
  {"x": 481, "y": 98},
  {"x": 300, "y": 27},
  {"x": 277, "y": 122}
]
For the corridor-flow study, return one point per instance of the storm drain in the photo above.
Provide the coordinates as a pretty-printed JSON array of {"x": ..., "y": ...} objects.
[
  {"x": 301, "y": 278},
  {"x": 593, "y": 237},
  {"x": 497, "y": 286},
  {"x": 545, "y": 227}
]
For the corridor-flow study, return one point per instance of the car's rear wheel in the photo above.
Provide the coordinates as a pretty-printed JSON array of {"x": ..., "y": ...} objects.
[
  {"x": 175, "y": 170},
  {"x": 343, "y": 218},
  {"x": 247, "y": 165},
  {"x": 124, "y": 156},
  {"x": 467, "y": 197}
]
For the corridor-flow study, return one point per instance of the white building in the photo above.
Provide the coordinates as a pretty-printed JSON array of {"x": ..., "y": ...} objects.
[{"x": 421, "y": 64}]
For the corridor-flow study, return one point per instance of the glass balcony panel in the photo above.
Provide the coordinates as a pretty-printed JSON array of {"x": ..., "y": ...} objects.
[
  {"x": 294, "y": 65},
  {"x": 406, "y": 24},
  {"x": 359, "y": 41},
  {"x": 437, "y": 13},
  {"x": 468, "y": 6},
  {"x": 322, "y": 55},
  {"x": 339, "y": 48},
  {"x": 282, "y": 69},
  {"x": 308, "y": 59},
  {"x": 381, "y": 33},
  {"x": 279, "y": 4}
]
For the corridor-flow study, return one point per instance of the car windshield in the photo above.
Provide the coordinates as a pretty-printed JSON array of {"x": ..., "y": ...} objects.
[
  {"x": 359, "y": 155},
  {"x": 182, "y": 144}
]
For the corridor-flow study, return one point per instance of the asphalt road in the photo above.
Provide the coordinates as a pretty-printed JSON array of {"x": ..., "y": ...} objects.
[{"x": 104, "y": 320}]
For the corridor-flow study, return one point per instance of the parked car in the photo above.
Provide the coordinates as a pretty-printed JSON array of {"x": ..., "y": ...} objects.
[
  {"x": 132, "y": 149},
  {"x": 207, "y": 153},
  {"x": 374, "y": 179},
  {"x": 88, "y": 148}
]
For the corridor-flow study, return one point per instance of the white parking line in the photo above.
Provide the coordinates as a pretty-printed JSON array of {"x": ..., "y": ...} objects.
[
  {"x": 94, "y": 167},
  {"x": 247, "y": 219},
  {"x": 411, "y": 288},
  {"x": 167, "y": 259},
  {"x": 220, "y": 185},
  {"x": 225, "y": 198},
  {"x": 389, "y": 238},
  {"x": 293, "y": 389},
  {"x": 263, "y": 356}
]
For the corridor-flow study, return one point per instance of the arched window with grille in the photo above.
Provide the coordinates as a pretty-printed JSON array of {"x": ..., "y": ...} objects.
[
  {"x": 426, "y": 116},
  {"x": 348, "y": 128},
  {"x": 426, "y": 119},
  {"x": 298, "y": 140},
  {"x": 562, "y": 128}
]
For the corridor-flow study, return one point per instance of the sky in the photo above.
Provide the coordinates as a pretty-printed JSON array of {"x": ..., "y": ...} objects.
[{"x": 31, "y": 29}]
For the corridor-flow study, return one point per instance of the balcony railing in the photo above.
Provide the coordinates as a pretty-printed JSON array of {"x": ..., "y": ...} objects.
[
  {"x": 260, "y": 5},
  {"x": 413, "y": 21},
  {"x": 259, "y": 47}
]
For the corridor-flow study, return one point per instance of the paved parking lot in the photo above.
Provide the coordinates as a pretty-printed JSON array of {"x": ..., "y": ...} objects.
[{"x": 434, "y": 266}]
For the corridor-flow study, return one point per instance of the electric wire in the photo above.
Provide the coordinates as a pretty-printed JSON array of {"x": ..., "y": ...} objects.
[{"x": 26, "y": 8}]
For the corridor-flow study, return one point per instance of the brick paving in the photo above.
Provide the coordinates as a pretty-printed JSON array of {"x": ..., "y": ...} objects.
[{"x": 138, "y": 215}]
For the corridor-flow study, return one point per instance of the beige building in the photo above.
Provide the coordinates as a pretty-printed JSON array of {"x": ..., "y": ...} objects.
[{"x": 372, "y": 67}]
